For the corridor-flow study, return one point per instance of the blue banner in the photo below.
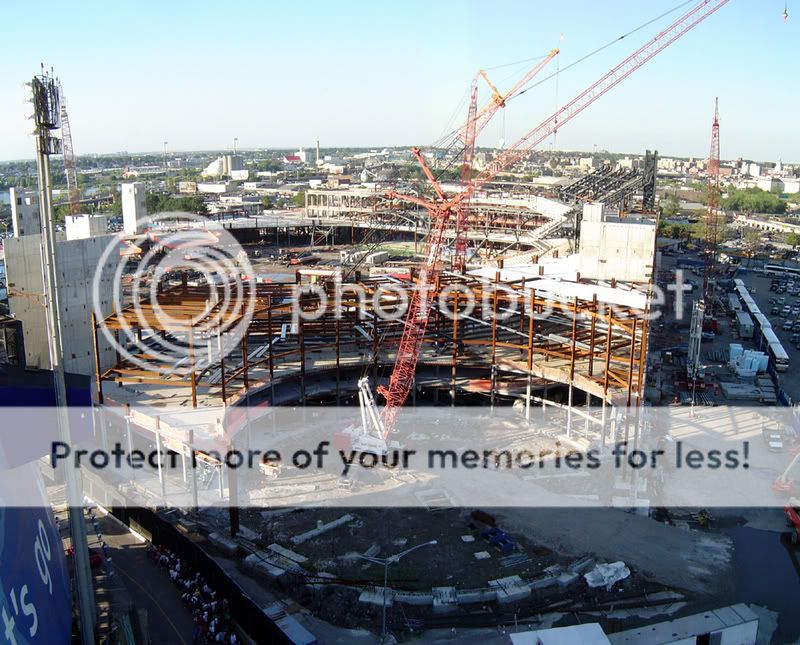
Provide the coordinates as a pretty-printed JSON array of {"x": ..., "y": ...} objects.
[{"x": 35, "y": 601}]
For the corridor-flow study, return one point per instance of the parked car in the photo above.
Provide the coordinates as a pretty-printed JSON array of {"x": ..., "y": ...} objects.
[
  {"x": 795, "y": 339},
  {"x": 787, "y": 325},
  {"x": 781, "y": 301},
  {"x": 775, "y": 311},
  {"x": 707, "y": 335}
]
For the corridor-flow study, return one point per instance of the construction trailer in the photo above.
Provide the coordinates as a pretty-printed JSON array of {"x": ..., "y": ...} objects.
[{"x": 744, "y": 324}]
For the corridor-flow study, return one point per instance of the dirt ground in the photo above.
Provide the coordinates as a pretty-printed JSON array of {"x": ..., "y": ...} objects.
[{"x": 384, "y": 532}]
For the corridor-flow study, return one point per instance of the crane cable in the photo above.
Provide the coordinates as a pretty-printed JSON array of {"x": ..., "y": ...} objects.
[
  {"x": 560, "y": 70},
  {"x": 602, "y": 48},
  {"x": 439, "y": 142}
]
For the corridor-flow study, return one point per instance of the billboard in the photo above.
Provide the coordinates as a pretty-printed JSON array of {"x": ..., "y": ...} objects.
[{"x": 35, "y": 601}]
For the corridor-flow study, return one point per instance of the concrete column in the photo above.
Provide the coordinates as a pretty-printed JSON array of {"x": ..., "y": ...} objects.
[
  {"x": 603, "y": 420},
  {"x": 494, "y": 338},
  {"x": 531, "y": 318},
  {"x": 569, "y": 410},
  {"x": 192, "y": 375},
  {"x": 97, "y": 373},
  {"x": 195, "y": 504},
  {"x": 588, "y": 411},
  {"x": 128, "y": 432},
  {"x": 338, "y": 358},
  {"x": 161, "y": 481},
  {"x": 455, "y": 350}
]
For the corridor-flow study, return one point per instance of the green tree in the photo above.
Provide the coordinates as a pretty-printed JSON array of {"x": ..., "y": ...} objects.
[
  {"x": 300, "y": 198},
  {"x": 60, "y": 213},
  {"x": 752, "y": 242},
  {"x": 266, "y": 202},
  {"x": 161, "y": 203},
  {"x": 793, "y": 239},
  {"x": 671, "y": 207},
  {"x": 754, "y": 200}
]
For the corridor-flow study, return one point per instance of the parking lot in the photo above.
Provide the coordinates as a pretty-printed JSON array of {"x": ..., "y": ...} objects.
[{"x": 767, "y": 301}]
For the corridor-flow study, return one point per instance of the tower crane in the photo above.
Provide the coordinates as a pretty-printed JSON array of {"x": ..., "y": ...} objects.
[
  {"x": 70, "y": 163},
  {"x": 441, "y": 208},
  {"x": 712, "y": 217}
]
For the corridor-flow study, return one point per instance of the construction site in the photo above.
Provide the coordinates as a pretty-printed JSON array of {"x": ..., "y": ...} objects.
[{"x": 383, "y": 315}]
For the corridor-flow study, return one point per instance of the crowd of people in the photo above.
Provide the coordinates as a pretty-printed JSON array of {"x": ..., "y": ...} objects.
[{"x": 212, "y": 616}]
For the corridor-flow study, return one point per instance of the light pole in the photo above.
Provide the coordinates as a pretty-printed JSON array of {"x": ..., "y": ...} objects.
[{"x": 385, "y": 562}]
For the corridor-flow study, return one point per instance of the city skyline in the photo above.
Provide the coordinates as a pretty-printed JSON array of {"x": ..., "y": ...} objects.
[{"x": 202, "y": 86}]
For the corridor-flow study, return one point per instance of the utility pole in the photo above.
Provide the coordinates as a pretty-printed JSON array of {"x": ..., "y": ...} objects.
[
  {"x": 385, "y": 562},
  {"x": 46, "y": 105}
]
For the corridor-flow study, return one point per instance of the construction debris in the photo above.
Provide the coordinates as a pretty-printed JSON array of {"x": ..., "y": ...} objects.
[
  {"x": 607, "y": 575},
  {"x": 323, "y": 528}
]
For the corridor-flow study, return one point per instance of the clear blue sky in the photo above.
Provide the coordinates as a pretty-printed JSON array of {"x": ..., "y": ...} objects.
[{"x": 282, "y": 74}]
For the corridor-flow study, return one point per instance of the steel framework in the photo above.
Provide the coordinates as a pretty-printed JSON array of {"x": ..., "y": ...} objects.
[{"x": 595, "y": 347}]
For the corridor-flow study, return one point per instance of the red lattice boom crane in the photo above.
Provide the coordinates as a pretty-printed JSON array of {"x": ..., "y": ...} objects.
[
  {"x": 441, "y": 207},
  {"x": 712, "y": 216}
]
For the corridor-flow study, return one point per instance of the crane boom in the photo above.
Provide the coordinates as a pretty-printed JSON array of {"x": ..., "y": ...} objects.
[
  {"x": 460, "y": 259},
  {"x": 499, "y": 100},
  {"x": 70, "y": 163},
  {"x": 712, "y": 216},
  {"x": 419, "y": 307},
  {"x": 415, "y": 324},
  {"x": 570, "y": 110}
]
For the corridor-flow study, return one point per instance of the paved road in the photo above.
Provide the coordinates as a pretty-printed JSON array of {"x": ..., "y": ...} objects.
[{"x": 168, "y": 621}]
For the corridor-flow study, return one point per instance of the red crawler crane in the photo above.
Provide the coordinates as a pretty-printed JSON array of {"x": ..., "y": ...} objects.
[
  {"x": 441, "y": 208},
  {"x": 419, "y": 307}
]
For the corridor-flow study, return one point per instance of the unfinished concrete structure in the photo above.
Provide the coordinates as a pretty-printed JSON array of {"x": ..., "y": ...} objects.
[
  {"x": 495, "y": 223},
  {"x": 77, "y": 261},
  {"x": 546, "y": 326},
  {"x": 79, "y": 227},
  {"x": 617, "y": 247},
  {"x": 134, "y": 207},
  {"x": 590, "y": 336},
  {"x": 25, "y": 216}
]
